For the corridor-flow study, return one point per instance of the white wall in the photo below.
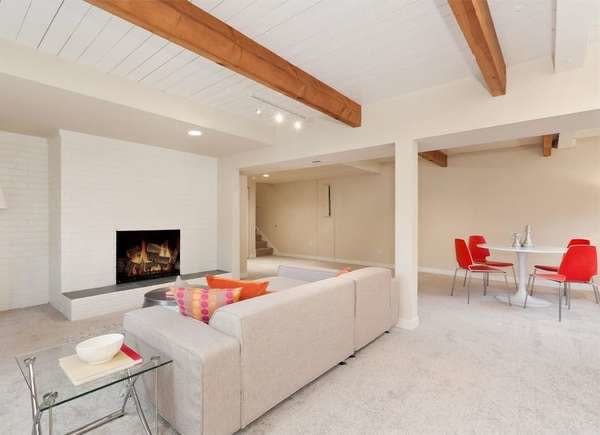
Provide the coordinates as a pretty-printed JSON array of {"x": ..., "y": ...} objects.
[
  {"x": 24, "y": 225},
  {"x": 495, "y": 193},
  {"x": 108, "y": 185},
  {"x": 360, "y": 230},
  {"x": 535, "y": 93}
]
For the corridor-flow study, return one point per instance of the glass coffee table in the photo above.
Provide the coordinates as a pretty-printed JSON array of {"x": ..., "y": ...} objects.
[{"x": 49, "y": 386}]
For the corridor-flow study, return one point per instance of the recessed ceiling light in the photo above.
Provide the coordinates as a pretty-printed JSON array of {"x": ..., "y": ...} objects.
[
  {"x": 266, "y": 175},
  {"x": 298, "y": 125},
  {"x": 258, "y": 111},
  {"x": 316, "y": 161},
  {"x": 278, "y": 118},
  {"x": 194, "y": 133}
]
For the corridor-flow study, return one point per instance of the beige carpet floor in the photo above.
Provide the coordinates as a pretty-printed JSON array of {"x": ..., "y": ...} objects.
[{"x": 482, "y": 368}]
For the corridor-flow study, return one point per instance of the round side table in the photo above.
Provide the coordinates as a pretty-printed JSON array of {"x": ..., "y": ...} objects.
[{"x": 158, "y": 297}]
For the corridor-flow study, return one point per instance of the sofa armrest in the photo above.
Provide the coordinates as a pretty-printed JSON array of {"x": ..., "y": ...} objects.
[
  {"x": 200, "y": 390},
  {"x": 305, "y": 273},
  {"x": 376, "y": 303}
]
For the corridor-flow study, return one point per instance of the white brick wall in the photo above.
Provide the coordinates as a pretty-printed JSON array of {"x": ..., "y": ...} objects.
[
  {"x": 108, "y": 184},
  {"x": 24, "y": 225}
]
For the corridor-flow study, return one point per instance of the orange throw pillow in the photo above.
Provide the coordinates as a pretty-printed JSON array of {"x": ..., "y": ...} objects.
[{"x": 250, "y": 289}]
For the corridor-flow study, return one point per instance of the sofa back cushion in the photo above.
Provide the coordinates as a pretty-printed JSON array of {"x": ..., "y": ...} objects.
[
  {"x": 308, "y": 274},
  {"x": 287, "y": 339}
]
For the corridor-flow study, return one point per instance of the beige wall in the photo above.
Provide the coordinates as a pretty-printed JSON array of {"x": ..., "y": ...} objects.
[
  {"x": 293, "y": 217},
  {"x": 495, "y": 193}
]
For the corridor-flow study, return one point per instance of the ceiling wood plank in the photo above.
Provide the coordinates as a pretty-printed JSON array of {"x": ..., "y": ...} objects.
[
  {"x": 475, "y": 22},
  {"x": 438, "y": 157},
  {"x": 185, "y": 24}
]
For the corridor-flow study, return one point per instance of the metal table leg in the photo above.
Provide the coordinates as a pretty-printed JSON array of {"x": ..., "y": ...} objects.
[
  {"x": 48, "y": 402},
  {"x": 139, "y": 410},
  {"x": 36, "y": 415},
  {"x": 50, "y": 398},
  {"x": 155, "y": 360}
]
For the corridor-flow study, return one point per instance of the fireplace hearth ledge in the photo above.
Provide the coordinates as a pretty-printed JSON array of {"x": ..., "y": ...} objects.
[
  {"x": 86, "y": 303},
  {"x": 137, "y": 284}
]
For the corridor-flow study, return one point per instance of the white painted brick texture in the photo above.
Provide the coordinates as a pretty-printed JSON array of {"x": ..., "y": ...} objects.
[
  {"x": 108, "y": 184},
  {"x": 24, "y": 225}
]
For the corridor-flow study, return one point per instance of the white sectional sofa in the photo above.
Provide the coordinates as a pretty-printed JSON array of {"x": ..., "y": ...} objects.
[{"x": 255, "y": 353}]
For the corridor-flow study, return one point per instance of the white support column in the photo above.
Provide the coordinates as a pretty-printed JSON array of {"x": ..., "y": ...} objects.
[
  {"x": 243, "y": 222},
  {"x": 251, "y": 219},
  {"x": 229, "y": 217},
  {"x": 406, "y": 257}
]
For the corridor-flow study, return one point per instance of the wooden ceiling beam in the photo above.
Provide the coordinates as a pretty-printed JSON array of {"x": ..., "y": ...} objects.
[
  {"x": 185, "y": 24},
  {"x": 438, "y": 157},
  {"x": 549, "y": 141},
  {"x": 475, "y": 22}
]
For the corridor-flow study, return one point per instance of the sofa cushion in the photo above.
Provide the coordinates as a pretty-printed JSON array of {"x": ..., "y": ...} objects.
[
  {"x": 278, "y": 283},
  {"x": 306, "y": 274},
  {"x": 200, "y": 303},
  {"x": 250, "y": 289},
  {"x": 288, "y": 338}
]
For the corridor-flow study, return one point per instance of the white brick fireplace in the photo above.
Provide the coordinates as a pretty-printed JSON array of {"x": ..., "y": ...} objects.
[{"x": 100, "y": 185}]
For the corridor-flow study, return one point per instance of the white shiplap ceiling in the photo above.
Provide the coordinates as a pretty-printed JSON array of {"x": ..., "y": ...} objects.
[{"x": 369, "y": 50}]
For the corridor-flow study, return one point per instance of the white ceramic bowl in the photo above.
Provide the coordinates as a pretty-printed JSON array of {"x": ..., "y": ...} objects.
[{"x": 99, "y": 349}]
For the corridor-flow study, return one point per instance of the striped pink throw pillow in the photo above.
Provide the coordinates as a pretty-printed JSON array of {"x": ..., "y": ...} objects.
[{"x": 201, "y": 303}]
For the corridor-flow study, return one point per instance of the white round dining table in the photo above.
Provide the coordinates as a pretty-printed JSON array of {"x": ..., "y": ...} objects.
[{"x": 518, "y": 298}]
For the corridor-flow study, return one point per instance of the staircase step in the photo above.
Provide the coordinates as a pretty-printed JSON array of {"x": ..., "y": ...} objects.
[
  {"x": 261, "y": 252},
  {"x": 261, "y": 244}
]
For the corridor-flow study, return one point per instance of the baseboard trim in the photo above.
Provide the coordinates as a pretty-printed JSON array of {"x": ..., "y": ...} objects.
[
  {"x": 538, "y": 283},
  {"x": 334, "y": 260},
  {"x": 408, "y": 323}
]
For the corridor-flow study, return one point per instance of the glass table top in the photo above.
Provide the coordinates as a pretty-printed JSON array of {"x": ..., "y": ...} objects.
[{"x": 51, "y": 378}]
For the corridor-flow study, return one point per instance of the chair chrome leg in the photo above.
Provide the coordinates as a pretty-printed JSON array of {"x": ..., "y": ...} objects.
[
  {"x": 453, "y": 282},
  {"x": 469, "y": 289},
  {"x": 465, "y": 280},
  {"x": 515, "y": 278},
  {"x": 569, "y": 296},
  {"x": 486, "y": 277},
  {"x": 596, "y": 293},
  {"x": 532, "y": 281},
  {"x": 560, "y": 293}
]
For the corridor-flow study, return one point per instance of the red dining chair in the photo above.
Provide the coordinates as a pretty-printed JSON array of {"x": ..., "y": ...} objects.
[
  {"x": 579, "y": 265},
  {"x": 553, "y": 269},
  {"x": 481, "y": 254},
  {"x": 466, "y": 263}
]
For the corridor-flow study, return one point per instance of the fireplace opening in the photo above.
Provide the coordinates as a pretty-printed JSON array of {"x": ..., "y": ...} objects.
[{"x": 147, "y": 254}]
